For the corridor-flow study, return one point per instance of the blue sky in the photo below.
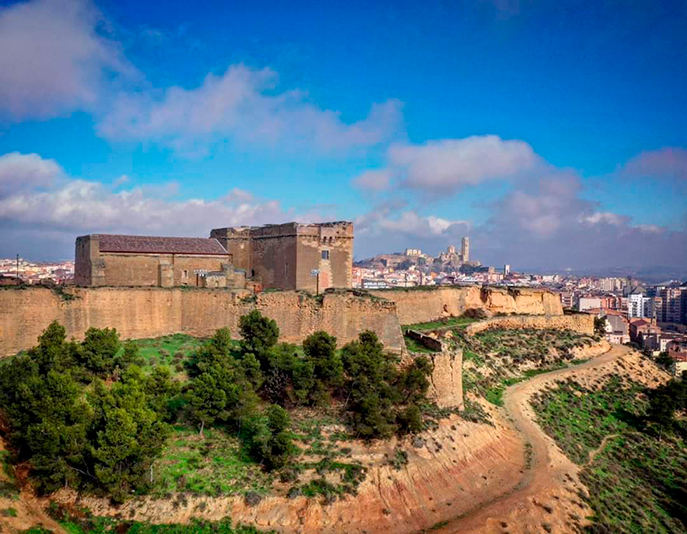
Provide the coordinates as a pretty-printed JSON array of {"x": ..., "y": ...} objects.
[{"x": 530, "y": 126}]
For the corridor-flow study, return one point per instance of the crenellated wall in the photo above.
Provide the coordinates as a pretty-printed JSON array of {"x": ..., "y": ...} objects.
[
  {"x": 419, "y": 305},
  {"x": 152, "y": 312}
]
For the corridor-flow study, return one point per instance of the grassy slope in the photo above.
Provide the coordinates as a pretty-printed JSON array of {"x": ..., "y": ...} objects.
[
  {"x": 496, "y": 359},
  {"x": 218, "y": 464},
  {"x": 637, "y": 482}
]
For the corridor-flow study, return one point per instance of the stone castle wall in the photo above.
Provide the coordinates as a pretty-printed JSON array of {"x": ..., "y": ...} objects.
[
  {"x": 446, "y": 380},
  {"x": 423, "y": 305},
  {"x": 582, "y": 323},
  {"x": 152, "y": 312}
]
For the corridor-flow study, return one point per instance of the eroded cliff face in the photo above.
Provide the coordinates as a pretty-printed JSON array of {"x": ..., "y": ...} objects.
[
  {"x": 152, "y": 312},
  {"x": 521, "y": 301},
  {"x": 449, "y": 470},
  {"x": 582, "y": 323},
  {"x": 423, "y": 305}
]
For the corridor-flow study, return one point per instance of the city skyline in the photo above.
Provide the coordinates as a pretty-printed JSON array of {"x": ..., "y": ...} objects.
[{"x": 552, "y": 136}]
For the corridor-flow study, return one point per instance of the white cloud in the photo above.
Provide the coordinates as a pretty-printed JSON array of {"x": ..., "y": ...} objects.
[
  {"x": 446, "y": 165},
  {"x": 667, "y": 162},
  {"x": 55, "y": 209},
  {"x": 373, "y": 181},
  {"x": 52, "y": 58},
  {"x": 242, "y": 105},
  {"x": 604, "y": 217},
  {"x": 546, "y": 223},
  {"x": 23, "y": 171},
  {"x": 392, "y": 227},
  {"x": 88, "y": 207}
]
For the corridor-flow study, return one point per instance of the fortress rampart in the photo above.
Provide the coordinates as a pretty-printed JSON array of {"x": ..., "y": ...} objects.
[
  {"x": 140, "y": 312},
  {"x": 418, "y": 305},
  {"x": 152, "y": 312}
]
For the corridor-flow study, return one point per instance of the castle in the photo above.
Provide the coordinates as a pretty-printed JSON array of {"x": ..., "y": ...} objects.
[{"x": 311, "y": 257}]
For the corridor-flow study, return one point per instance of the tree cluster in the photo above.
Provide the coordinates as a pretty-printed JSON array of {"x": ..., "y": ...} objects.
[
  {"x": 86, "y": 415},
  {"x": 76, "y": 430},
  {"x": 379, "y": 397}
]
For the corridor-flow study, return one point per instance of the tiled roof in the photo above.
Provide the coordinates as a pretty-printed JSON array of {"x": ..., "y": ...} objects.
[{"x": 160, "y": 245}]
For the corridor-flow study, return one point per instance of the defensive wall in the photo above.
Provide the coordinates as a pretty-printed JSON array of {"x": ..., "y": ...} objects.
[
  {"x": 446, "y": 380},
  {"x": 419, "y": 305},
  {"x": 140, "y": 312},
  {"x": 582, "y": 322},
  {"x": 151, "y": 312}
]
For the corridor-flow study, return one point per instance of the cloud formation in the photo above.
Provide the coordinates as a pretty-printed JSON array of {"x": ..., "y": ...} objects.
[
  {"x": 373, "y": 181},
  {"x": 547, "y": 223},
  {"x": 47, "y": 214},
  {"x": 398, "y": 227},
  {"x": 444, "y": 166},
  {"x": 19, "y": 172},
  {"x": 53, "y": 58},
  {"x": 241, "y": 105},
  {"x": 667, "y": 162},
  {"x": 543, "y": 222}
]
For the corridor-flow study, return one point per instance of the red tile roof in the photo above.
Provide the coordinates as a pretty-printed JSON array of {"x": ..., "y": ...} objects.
[{"x": 160, "y": 245}]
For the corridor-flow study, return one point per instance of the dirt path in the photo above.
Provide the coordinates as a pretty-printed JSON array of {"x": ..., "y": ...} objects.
[
  {"x": 600, "y": 448},
  {"x": 546, "y": 496}
]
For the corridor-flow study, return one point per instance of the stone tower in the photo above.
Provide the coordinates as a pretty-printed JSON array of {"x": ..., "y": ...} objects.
[{"x": 465, "y": 249}]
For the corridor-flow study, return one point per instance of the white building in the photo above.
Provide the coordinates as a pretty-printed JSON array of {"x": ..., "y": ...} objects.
[
  {"x": 639, "y": 305},
  {"x": 588, "y": 303}
]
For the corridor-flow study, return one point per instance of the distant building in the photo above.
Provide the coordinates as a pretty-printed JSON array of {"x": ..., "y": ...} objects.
[
  {"x": 414, "y": 252},
  {"x": 450, "y": 256},
  {"x": 567, "y": 298},
  {"x": 611, "y": 284},
  {"x": 617, "y": 329},
  {"x": 465, "y": 249},
  {"x": 639, "y": 305},
  {"x": 588, "y": 303},
  {"x": 677, "y": 351},
  {"x": 671, "y": 304},
  {"x": 10, "y": 280},
  {"x": 642, "y": 327},
  {"x": 506, "y": 270}
]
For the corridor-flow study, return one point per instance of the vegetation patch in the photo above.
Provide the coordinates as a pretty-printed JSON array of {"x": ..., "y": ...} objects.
[
  {"x": 579, "y": 418},
  {"x": 632, "y": 448},
  {"x": 214, "y": 464},
  {"x": 496, "y": 359},
  {"x": 178, "y": 416},
  {"x": 171, "y": 351},
  {"x": 399, "y": 460},
  {"x": 413, "y": 345},
  {"x": 81, "y": 521}
]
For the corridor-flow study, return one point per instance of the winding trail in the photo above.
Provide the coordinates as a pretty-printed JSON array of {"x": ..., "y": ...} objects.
[{"x": 549, "y": 468}]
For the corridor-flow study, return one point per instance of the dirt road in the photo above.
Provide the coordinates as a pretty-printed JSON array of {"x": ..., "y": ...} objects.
[{"x": 545, "y": 497}]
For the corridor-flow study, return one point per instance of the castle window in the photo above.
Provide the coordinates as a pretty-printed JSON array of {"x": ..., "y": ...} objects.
[
  {"x": 184, "y": 273},
  {"x": 325, "y": 254}
]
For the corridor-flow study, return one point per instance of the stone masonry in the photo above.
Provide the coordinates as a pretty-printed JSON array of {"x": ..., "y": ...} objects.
[{"x": 311, "y": 257}]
